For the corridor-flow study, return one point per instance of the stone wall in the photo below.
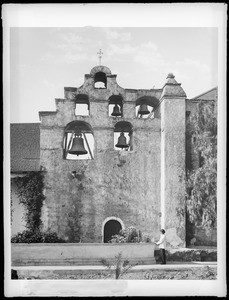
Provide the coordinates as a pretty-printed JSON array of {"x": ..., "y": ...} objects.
[
  {"x": 116, "y": 183},
  {"x": 119, "y": 184}
]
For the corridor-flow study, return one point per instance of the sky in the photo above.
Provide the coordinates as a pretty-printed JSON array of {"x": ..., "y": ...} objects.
[
  {"x": 45, "y": 60},
  {"x": 52, "y": 46}
]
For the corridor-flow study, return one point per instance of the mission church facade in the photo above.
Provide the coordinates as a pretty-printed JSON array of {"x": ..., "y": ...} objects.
[{"x": 111, "y": 158}]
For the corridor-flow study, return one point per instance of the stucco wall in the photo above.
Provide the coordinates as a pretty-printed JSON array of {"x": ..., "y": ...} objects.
[
  {"x": 174, "y": 131},
  {"x": 79, "y": 254},
  {"x": 116, "y": 183},
  {"x": 173, "y": 125},
  {"x": 120, "y": 184}
]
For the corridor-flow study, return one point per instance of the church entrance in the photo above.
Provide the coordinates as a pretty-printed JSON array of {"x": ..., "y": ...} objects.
[{"x": 111, "y": 227}]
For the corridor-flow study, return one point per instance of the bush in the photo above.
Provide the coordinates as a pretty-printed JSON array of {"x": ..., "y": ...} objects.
[
  {"x": 28, "y": 236},
  {"x": 120, "y": 265},
  {"x": 146, "y": 239},
  {"x": 129, "y": 235}
]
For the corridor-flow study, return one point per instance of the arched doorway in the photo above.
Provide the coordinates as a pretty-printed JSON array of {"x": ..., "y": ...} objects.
[{"x": 111, "y": 228}]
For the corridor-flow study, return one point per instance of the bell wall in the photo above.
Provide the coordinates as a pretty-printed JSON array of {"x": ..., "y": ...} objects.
[{"x": 124, "y": 185}]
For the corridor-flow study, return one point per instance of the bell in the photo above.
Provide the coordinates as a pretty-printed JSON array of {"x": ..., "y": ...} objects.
[
  {"x": 143, "y": 110},
  {"x": 116, "y": 112},
  {"x": 122, "y": 141},
  {"x": 77, "y": 146}
]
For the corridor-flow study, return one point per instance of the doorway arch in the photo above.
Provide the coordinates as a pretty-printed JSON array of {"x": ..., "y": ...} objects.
[{"x": 111, "y": 226}]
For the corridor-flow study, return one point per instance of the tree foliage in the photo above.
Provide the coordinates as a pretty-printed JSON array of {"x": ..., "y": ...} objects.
[
  {"x": 37, "y": 236},
  {"x": 202, "y": 182}
]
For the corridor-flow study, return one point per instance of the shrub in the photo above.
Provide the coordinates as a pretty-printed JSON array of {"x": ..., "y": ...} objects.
[
  {"x": 30, "y": 194},
  {"x": 119, "y": 265},
  {"x": 146, "y": 239},
  {"x": 129, "y": 235},
  {"x": 28, "y": 236}
]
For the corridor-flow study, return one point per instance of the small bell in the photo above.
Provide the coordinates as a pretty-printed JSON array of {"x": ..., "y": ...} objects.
[
  {"x": 143, "y": 110},
  {"x": 78, "y": 146},
  {"x": 116, "y": 112},
  {"x": 122, "y": 141}
]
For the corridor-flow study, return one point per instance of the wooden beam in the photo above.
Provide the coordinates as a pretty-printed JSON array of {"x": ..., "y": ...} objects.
[
  {"x": 88, "y": 145},
  {"x": 69, "y": 141}
]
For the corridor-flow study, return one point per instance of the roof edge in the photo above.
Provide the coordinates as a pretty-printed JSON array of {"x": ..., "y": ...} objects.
[{"x": 194, "y": 98}]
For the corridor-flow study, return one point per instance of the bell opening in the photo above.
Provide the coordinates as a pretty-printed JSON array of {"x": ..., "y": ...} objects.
[
  {"x": 116, "y": 111},
  {"x": 81, "y": 109},
  {"x": 122, "y": 141},
  {"x": 79, "y": 146},
  {"x": 143, "y": 111},
  {"x": 115, "y": 105},
  {"x": 100, "y": 80}
]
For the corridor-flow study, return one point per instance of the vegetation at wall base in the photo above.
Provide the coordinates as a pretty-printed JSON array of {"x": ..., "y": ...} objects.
[
  {"x": 37, "y": 236},
  {"x": 129, "y": 235},
  {"x": 30, "y": 193}
]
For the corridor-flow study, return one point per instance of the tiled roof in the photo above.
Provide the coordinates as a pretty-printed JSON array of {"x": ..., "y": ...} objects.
[
  {"x": 25, "y": 147},
  {"x": 209, "y": 95}
]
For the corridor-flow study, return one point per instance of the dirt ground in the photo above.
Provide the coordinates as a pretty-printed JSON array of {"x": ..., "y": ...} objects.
[
  {"x": 192, "y": 274},
  {"x": 203, "y": 273}
]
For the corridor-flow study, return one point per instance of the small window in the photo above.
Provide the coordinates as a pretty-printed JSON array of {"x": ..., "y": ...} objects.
[
  {"x": 82, "y": 105},
  {"x": 123, "y": 136},
  {"x": 100, "y": 80},
  {"x": 78, "y": 141}
]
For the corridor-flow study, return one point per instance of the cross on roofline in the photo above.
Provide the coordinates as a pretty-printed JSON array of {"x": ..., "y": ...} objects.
[{"x": 100, "y": 56}]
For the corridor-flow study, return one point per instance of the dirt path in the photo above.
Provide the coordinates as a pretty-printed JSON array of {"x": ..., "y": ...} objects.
[{"x": 202, "y": 273}]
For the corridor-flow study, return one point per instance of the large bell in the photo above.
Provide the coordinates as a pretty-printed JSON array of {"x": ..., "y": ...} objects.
[
  {"x": 143, "y": 110},
  {"x": 122, "y": 141},
  {"x": 77, "y": 146},
  {"x": 116, "y": 112}
]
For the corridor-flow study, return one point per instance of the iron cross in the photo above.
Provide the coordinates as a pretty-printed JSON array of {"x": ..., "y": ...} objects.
[{"x": 100, "y": 56}]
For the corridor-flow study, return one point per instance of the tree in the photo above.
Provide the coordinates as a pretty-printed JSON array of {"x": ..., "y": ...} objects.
[{"x": 201, "y": 183}]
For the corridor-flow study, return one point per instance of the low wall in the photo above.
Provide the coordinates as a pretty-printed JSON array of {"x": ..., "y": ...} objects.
[
  {"x": 41, "y": 254},
  {"x": 186, "y": 255}
]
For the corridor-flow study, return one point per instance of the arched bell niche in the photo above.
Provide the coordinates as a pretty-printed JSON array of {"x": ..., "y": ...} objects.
[
  {"x": 99, "y": 73},
  {"x": 100, "y": 80},
  {"x": 123, "y": 136},
  {"x": 82, "y": 105},
  {"x": 116, "y": 106},
  {"x": 78, "y": 141},
  {"x": 146, "y": 106}
]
